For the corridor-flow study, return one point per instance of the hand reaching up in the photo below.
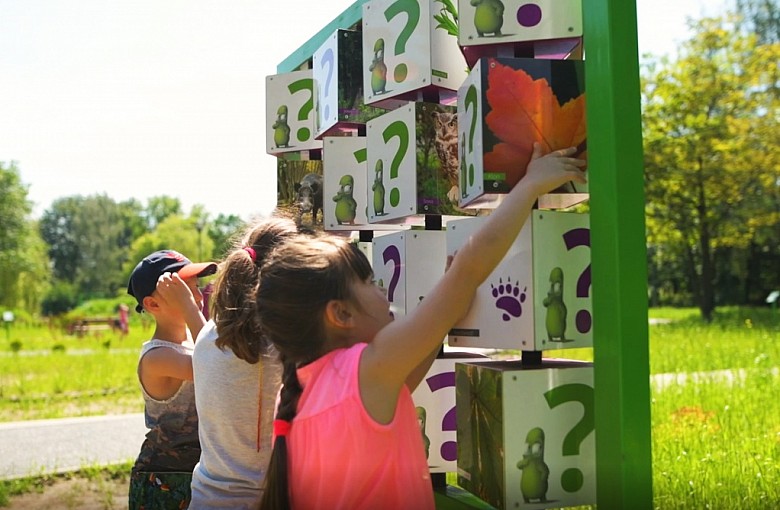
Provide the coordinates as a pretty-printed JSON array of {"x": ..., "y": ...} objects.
[{"x": 550, "y": 171}]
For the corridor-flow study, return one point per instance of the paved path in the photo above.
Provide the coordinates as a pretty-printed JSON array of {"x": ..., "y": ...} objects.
[{"x": 55, "y": 446}]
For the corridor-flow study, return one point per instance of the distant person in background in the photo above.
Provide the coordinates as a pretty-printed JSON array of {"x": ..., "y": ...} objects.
[
  {"x": 207, "y": 291},
  {"x": 165, "y": 284},
  {"x": 124, "y": 326},
  {"x": 236, "y": 379}
]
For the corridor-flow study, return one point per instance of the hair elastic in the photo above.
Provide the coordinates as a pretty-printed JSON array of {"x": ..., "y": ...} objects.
[
  {"x": 282, "y": 428},
  {"x": 252, "y": 253}
]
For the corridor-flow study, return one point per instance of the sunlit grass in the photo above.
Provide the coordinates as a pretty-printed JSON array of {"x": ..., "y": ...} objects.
[
  {"x": 55, "y": 375},
  {"x": 715, "y": 444}
]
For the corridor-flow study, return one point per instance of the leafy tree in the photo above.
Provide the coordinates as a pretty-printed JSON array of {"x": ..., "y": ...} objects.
[
  {"x": 160, "y": 207},
  {"x": 761, "y": 17},
  {"x": 58, "y": 230},
  {"x": 24, "y": 272},
  {"x": 88, "y": 239},
  {"x": 174, "y": 233},
  {"x": 61, "y": 298},
  {"x": 133, "y": 220},
  {"x": 223, "y": 232},
  {"x": 711, "y": 152},
  {"x": 102, "y": 253}
]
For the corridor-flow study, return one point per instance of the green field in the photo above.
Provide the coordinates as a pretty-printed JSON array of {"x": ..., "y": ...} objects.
[{"x": 715, "y": 429}]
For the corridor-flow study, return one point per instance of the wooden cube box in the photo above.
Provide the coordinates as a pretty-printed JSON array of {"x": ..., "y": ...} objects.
[
  {"x": 538, "y": 298},
  {"x": 504, "y": 106},
  {"x": 289, "y": 113},
  {"x": 404, "y": 52},
  {"x": 338, "y": 79},
  {"x": 525, "y": 434},
  {"x": 408, "y": 264}
]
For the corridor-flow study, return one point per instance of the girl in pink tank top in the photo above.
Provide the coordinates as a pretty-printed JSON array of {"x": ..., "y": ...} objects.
[{"x": 346, "y": 434}]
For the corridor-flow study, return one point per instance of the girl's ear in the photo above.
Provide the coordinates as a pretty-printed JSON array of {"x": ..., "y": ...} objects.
[{"x": 337, "y": 314}]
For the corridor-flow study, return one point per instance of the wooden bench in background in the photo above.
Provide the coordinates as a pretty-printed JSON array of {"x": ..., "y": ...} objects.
[{"x": 80, "y": 327}]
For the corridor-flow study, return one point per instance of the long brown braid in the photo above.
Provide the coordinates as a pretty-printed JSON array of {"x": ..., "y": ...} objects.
[
  {"x": 296, "y": 283},
  {"x": 276, "y": 495}
]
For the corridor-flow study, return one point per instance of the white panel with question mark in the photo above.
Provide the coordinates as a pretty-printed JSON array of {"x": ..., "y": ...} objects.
[
  {"x": 338, "y": 77},
  {"x": 403, "y": 52},
  {"x": 470, "y": 134},
  {"x": 345, "y": 186},
  {"x": 520, "y": 101},
  {"x": 434, "y": 399},
  {"x": 562, "y": 279},
  {"x": 408, "y": 264},
  {"x": 413, "y": 164},
  {"x": 507, "y": 21},
  {"x": 540, "y": 290},
  {"x": 325, "y": 68},
  {"x": 391, "y": 165},
  {"x": 541, "y": 418},
  {"x": 289, "y": 112},
  {"x": 389, "y": 264},
  {"x": 501, "y": 315}
]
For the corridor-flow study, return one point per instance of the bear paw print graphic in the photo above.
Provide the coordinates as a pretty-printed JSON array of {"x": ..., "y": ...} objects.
[{"x": 509, "y": 298}]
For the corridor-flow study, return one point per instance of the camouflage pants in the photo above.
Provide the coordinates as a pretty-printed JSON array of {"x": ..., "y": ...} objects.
[{"x": 159, "y": 491}]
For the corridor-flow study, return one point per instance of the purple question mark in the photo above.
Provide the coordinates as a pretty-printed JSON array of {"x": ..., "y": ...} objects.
[
  {"x": 392, "y": 253},
  {"x": 574, "y": 238},
  {"x": 449, "y": 449}
]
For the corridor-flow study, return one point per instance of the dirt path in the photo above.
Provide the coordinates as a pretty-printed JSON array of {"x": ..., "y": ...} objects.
[{"x": 75, "y": 493}]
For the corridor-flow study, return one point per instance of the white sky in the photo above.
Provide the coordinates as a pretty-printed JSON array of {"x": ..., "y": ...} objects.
[{"x": 139, "y": 98}]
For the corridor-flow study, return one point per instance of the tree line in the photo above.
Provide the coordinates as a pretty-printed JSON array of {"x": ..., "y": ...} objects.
[
  {"x": 86, "y": 247},
  {"x": 712, "y": 162},
  {"x": 710, "y": 119}
]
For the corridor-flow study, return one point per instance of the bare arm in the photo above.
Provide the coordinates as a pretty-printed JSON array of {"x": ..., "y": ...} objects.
[
  {"x": 162, "y": 371},
  {"x": 405, "y": 343},
  {"x": 415, "y": 378}
]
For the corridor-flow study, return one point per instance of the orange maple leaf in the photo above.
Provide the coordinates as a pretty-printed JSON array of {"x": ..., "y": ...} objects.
[{"x": 524, "y": 111}]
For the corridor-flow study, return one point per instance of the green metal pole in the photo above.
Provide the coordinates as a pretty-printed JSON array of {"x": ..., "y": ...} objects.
[{"x": 619, "y": 257}]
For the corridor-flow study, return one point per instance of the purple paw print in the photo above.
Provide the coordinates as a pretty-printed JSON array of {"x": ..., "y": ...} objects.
[{"x": 509, "y": 298}]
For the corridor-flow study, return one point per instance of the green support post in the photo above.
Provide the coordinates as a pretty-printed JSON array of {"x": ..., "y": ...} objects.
[{"x": 619, "y": 257}]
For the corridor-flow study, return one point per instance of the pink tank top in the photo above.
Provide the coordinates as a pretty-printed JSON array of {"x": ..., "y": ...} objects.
[{"x": 340, "y": 458}]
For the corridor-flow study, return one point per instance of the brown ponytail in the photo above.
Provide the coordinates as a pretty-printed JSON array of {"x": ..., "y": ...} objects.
[{"x": 235, "y": 287}]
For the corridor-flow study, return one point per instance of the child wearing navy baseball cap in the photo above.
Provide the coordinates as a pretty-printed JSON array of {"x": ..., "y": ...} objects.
[{"x": 165, "y": 284}]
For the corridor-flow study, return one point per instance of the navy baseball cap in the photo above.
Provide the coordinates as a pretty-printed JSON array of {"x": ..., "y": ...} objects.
[{"x": 143, "y": 280}]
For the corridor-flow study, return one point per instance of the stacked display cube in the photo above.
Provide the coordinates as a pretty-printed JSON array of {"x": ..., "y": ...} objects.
[
  {"x": 525, "y": 434},
  {"x": 538, "y": 298}
]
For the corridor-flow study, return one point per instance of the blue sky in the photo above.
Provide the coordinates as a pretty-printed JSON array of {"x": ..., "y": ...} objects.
[{"x": 138, "y": 98}]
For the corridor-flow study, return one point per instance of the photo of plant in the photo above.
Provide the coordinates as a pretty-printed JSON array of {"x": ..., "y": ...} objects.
[{"x": 480, "y": 434}]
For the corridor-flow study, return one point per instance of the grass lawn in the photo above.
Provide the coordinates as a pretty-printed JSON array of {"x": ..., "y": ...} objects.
[{"x": 716, "y": 440}]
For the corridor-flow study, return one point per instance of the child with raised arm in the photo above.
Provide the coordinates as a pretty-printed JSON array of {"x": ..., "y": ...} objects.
[
  {"x": 165, "y": 284},
  {"x": 346, "y": 434},
  {"x": 237, "y": 379}
]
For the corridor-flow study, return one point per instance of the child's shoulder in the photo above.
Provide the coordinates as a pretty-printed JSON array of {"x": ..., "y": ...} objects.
[{"x": 185, "y": 347}]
